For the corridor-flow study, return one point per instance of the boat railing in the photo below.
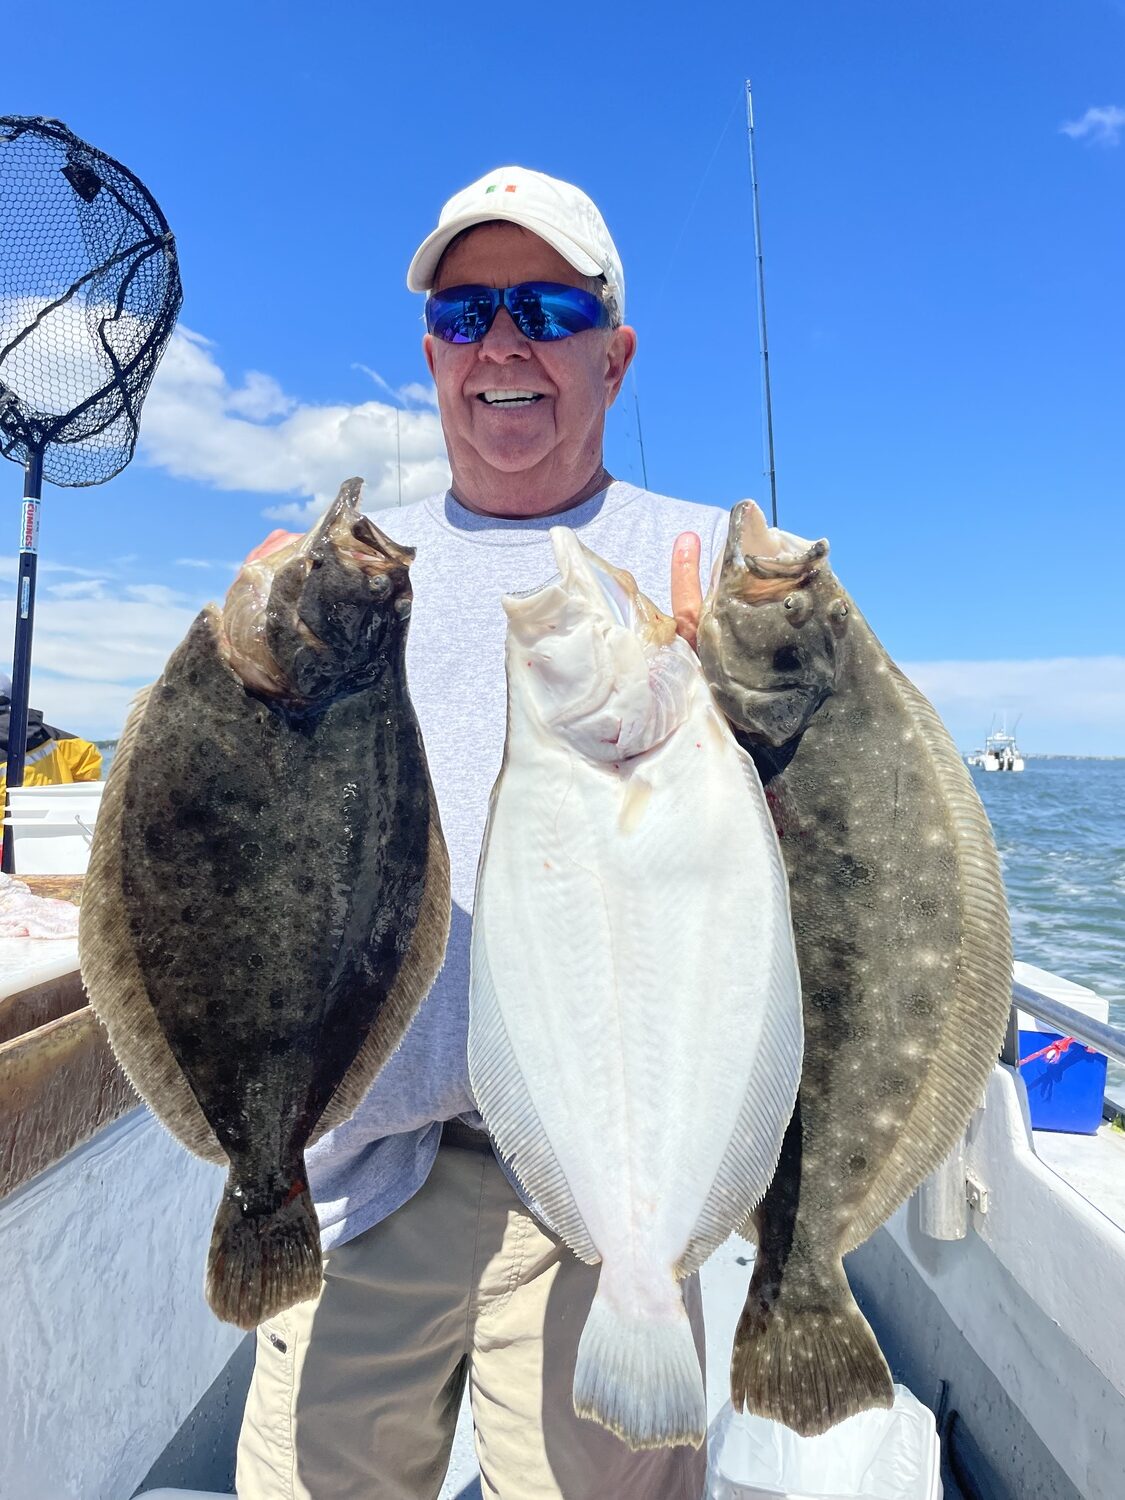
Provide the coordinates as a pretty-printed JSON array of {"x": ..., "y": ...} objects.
[{"x": 1064, "y": 1019}]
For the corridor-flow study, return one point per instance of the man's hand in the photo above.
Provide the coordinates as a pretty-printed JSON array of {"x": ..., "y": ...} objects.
[{"x": 687, "y": 595}]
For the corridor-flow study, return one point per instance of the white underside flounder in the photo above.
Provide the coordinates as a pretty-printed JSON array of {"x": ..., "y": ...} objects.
[{"x": 635, "y": 1020}]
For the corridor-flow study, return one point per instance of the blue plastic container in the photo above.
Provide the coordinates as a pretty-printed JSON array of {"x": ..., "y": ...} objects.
[{"x": 1064, "y": 1087}]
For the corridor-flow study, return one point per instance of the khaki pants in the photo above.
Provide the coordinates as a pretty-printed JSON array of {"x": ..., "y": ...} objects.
[{"x": 355, "y": 1394}]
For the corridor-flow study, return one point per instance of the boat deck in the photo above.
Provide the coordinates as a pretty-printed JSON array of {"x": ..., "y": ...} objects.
[{"x": 1094, "y": 1165}]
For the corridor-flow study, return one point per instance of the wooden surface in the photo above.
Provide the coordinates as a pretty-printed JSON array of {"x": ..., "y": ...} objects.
[
  {"x": 59, "y": 1080},
  {"x": 38, "y": 1004},
  {"x": 60, "y": 887},
  {"x": 59, "y": 1084}
]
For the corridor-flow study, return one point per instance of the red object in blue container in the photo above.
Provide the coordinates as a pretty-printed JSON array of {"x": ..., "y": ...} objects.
[{"x": 1065, "y": 1082}]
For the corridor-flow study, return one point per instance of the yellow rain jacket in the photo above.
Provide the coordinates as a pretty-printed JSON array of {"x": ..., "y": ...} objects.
[
  {"x": 52, "y": 756},
  {"x": 58, "y": 760}
]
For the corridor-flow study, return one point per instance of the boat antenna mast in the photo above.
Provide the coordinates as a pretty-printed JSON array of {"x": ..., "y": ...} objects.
[{"x": 763, "y": 341}]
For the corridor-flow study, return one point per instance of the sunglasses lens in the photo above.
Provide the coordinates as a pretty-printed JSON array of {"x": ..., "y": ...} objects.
[
  {"x": 542, "y": 310},
  {"x": 547, "y": 310},
  {"x": 462, "y": 314}
]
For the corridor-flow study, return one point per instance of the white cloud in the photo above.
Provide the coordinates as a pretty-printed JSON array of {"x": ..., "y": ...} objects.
[
  {"x": 154, "y": 593},
  {"x": 411, "y": 394},
  {"x": 224, "y": 565},
  {"x": 198, "y": 425},
  {"x": 1102, "y": 125},
  {"x": 1066, "y": 705},
  {"x": 81, "y": 588},
  {"x": 92, "y": 654},
  {"x": 9, "y": 567},
  {"x": 420, "y": 395},
  {"x": 260, "y": 398}
]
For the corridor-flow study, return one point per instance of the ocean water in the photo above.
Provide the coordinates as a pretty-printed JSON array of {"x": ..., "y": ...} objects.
[{"x": 1060, "y": 829}]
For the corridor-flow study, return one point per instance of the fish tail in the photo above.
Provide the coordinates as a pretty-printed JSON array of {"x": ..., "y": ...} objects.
[
  {"x": 808, "y": 1366},
  {"x": 639, "y": 1374},
  {"x": 265, "y": 1251}
]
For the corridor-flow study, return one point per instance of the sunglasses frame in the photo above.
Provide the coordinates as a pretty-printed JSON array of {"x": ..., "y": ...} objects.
[{"x": 585, "y": 304}]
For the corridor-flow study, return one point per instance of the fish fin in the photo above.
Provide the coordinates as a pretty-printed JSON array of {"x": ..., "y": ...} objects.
[
  {"x": 419, "y": 969},
  {"x": 976, "y": 1011},
  {"x": 751, "y": 1157},
  {"x": 806, "y": 1368},
  {"x": 505, "y": 1102},
  {"x": 262, "y": 1263},
  {"x": 112, "y": 976},
  {"x": 639, "y": 1376}
]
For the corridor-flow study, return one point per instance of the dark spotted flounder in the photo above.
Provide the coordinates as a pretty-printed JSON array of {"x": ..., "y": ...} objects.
[
  {"x": 902, "y": 943},
  {"x": 267, "y": 900}
]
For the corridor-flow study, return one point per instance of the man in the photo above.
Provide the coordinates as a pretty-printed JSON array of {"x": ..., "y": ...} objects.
[
  {"x": 435, "y": 1270},
  {"x": 52, "y": 755}
]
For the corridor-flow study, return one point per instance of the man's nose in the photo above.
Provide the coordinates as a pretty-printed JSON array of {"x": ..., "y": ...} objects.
[{"x": 504, "y": 340}]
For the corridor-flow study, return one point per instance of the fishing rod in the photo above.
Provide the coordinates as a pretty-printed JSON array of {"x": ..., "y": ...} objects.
[
  {"x": 398, "y": 455},
  {"x": 763, "y": 341},
  {"x": 640, "y": 435}
]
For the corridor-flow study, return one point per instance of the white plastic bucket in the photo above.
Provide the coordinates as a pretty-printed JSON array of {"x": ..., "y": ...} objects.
[{"x": 878, "y": 1455}]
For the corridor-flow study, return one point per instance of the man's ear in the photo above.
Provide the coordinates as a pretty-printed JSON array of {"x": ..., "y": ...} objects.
[
  {"x": 428, "y": 351},
  {"x": 621, "y": 346}
]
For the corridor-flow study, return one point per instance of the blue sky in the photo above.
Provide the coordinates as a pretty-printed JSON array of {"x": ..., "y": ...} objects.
[{"x": 943, "y": 199}]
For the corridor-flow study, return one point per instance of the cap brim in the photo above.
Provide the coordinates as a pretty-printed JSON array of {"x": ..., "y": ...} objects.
[{"x": 420, "y": 276}]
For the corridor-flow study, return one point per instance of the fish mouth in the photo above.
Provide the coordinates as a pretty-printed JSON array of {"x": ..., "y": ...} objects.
[
  {"x": 611, "y": 593},
  {"x": 584, "y": 581},
  {"x": 353, "y": 535},
  {"x": 273, "y": 585},
  {"x": 586, "y": 587},
  {"x": 762, "y": 563},
  {"x": 584, "y": 573}
]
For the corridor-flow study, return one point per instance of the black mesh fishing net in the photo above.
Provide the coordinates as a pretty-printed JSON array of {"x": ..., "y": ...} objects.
[{"x": 89, "y": 293}]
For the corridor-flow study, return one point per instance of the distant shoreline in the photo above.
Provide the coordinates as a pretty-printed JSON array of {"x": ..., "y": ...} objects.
[{"x": 1052, "y": 755}]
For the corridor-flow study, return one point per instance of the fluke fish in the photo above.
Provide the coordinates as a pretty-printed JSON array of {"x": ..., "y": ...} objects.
[
  {"x": 267, "y": 900},
  {"x": 903, "y": 944},
  {"x": 635, "y": 1020}
]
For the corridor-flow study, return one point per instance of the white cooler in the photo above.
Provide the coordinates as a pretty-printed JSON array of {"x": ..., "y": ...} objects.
[{"x": 52, "y": 826}]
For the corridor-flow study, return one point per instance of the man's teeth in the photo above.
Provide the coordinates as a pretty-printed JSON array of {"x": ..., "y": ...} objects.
[{"x": 509, "y": 398}]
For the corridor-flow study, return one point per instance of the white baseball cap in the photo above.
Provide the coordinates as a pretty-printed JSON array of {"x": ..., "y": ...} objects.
[{"x": 556, "y": 211}]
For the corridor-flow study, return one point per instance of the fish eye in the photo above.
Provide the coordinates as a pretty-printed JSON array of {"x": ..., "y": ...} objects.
[{"x": 839, "y": 609}]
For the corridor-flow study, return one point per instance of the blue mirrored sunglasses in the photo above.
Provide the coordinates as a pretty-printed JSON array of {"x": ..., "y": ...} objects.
[{"x": 541, "y": 310}]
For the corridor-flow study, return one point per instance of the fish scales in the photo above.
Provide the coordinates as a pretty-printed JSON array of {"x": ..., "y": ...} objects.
[
  {"x": 267, "y": 898},
  {"x": 630, "y": 937},
  {"x": 903, "y": 944}
]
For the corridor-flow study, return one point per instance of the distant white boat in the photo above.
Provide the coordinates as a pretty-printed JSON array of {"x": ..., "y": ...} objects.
[{"x": 1000, "y": 753}]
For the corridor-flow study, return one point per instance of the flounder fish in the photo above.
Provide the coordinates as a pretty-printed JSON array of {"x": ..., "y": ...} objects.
[
  {"x": 635, "y": 1025},
  {"x": 267, "y": 900},
  {"x": 902, "y": 937}
]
